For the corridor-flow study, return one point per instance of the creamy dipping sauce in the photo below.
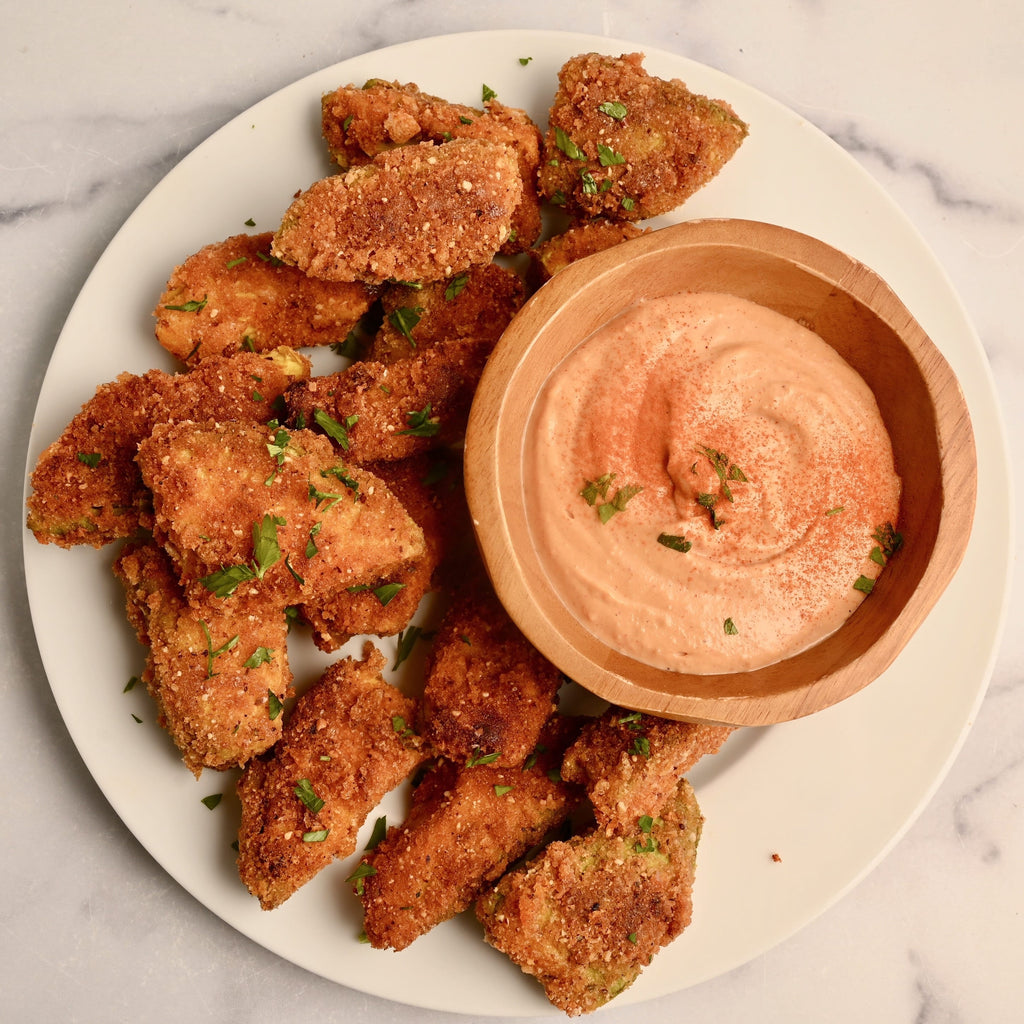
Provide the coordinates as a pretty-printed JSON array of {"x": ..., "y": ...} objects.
[{"x": 704, "y": 480}]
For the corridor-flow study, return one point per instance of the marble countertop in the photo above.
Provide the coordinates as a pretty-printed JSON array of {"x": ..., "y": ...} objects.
[{"x": 100, "y": 101}]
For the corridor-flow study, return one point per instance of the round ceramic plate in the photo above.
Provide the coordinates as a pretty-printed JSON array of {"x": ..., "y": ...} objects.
[{"x": 806, "y": 791}]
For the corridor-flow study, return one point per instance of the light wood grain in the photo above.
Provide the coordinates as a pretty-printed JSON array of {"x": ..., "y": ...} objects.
[{"x": 849, "y": 306}]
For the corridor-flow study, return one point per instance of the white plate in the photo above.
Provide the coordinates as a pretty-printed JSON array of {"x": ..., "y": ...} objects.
[{"x": 829, "y": 794}]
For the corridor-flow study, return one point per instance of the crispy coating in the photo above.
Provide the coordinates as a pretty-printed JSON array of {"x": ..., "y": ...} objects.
[
  {"x": 86, "y": 487},
  {"x": 249, "y": 301},
  {"x": 433, "y": 508},
  {"x": 629, "y": 762},
  {"x": 272, "y": 511},
  {"x": 393, "y": 411},
  {"x": 218, "y": 681},
  {"x": 656, "y": 145},
  {"x": 359, "y": 123},
  {"x": 588, "y": 914},
  {"x": 488, "y": 690},
  {"x": 465, "y": 826},
  {"x": 474, "y": 307},
  {"x": 576, "y": 243},
  {"x": 343, "y": 744},
  {"x": 421, "y": 212}
]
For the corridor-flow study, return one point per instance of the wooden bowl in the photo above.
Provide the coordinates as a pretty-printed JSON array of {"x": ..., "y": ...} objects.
[{"x": 853, "y": 310}]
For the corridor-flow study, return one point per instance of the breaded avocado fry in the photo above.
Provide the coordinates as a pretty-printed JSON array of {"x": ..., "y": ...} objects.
[{"x": 587, "y": 915}]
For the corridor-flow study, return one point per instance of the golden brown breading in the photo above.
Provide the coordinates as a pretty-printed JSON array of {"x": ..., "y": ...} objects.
[
  {"x": 218, "y": 680},
  {"x": 241, "y": 507},
  {"x": 630, "y": 762},
  {"x": 379, "y": 412},
  {"x": 587, "y": 915},
  {"x": 344, "y": 746},
  {"x": 359, "y": 123},
  {"x": 421, "y": 212},
  {"x": 623, "y": 144},
  {"x": 465, "y": 826},
  {"x": 576, "y": 243},
  {"x": 379, "y": 609},
  {"x": 86, "y": 487},
  {"x": 474, "y": 307},
  {"x": 488, "y": 691},
  {"x": 234, "y": 296}
]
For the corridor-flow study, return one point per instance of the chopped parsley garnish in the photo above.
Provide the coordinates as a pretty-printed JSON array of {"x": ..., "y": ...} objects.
[
  {"x": 613, "y": 109},
  {"x": 709, "y": 501},
  {"x": 304, "y": 791},
  {"x": 192, "y": 306},
  {"x": 730, "y": 628},
  {"x": 487, "y": 93},
  {"x": 131, "y": 684},
  {"x": 211, "y": 653},
  {"x": 356, "y": 878},
  {"x": 641, "y": 747},
  {"x": 455, "y": 286},
  {"x": 478, "y": 758},
  {"x": 384, "y": 593},
  {"x": 595, "y": 493},
  {"x": 421, "y": 424},
  {"x": 250, "y": 223},
  {"x": 388, "y": 592},
  {"x": 271, "y": 259},
  {"x": 212, "y": 800},
  {"x": 724, "y": 469},
  {"x": 274, "y": 704},
  {"x": 674, "y": 542},
  {"x": 608, "y": 157},
  {"x": 525, "y": 60},
  {"x": 865, "y": 584},
  {"x": 589, "y": 184},
  {"x": 404, "y": 319},
  {"x": 402, "y": 729},
  {"x": 406, "y": 642},
  {"x": 380, "y": 830},
  {"x": 650, "y": 845},
  {"x": 632, "y": 720},
  {"x": 336, "y": 431},
  {"x": 266, "y": 552},
  {"x": 277, "y": 449},
  {"x": 90, "y": 459},
  {"x": 628, "y": 202},
  {"x": 567, "y": 146},
  {"x": 888, "y": 540},
  {"x": 835, "y": 511},
  {"x": 311, "y": 548},
  {"x": 503, "y": 790},
  {"x": 261, "y": 656}
]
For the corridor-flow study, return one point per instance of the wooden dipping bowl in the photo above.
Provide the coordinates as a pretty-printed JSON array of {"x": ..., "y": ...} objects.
[{"x": 853, "y": 310}]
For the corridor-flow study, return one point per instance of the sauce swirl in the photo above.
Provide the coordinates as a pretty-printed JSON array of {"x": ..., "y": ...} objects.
[{"x": 706, "y": 482}]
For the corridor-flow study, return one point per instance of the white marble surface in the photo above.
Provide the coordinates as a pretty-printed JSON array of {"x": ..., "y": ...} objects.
[{"x": 100, "y": 101}]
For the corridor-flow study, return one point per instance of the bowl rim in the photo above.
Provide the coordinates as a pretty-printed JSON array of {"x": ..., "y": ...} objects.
[{"x": 510, "y": 382}]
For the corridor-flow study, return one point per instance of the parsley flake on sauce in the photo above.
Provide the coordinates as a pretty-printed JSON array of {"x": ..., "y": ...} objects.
[
  {"x": 674, "y": 542},
  {"x": 595, "y": 493},
  {"x": 730, "y": 628}
]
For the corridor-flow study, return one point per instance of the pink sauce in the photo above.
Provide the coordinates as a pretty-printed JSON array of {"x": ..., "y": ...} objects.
[{"x": 762, "y": 463}]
